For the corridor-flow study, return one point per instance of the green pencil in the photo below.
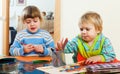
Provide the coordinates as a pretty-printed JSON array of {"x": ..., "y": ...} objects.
[{"x": 39, "y": 61}]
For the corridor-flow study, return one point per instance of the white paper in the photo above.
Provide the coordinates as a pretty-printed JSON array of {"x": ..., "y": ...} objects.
[{"x": 56, "y": 70}]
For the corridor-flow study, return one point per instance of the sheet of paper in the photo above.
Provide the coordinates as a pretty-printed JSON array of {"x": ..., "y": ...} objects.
[{"x": 56, "y": 70}]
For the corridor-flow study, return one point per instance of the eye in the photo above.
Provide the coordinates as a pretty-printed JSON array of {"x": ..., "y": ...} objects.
[
  {"x": 28, "y": 22},
  {"x": 81, "y": 29},
  {"x": 35, "y": 20},
  {"x": 87, "y": 29}
]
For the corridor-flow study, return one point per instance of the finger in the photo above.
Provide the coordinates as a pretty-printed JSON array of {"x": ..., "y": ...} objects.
[
  {"x": 81, "y": 62},
  {"x": 88, "y": 61},
  {"x": 94, "y": 61},
  {"x": 40, "y": 47},
  {"x": 65, "y": 42},
  {"x": 29, "y": 44},
  {"x": 62, "y": 40},
  {"x": 32, "y": 46},
  {"x": 30, "y": 50},
  {"x": 58, "y": 45}
]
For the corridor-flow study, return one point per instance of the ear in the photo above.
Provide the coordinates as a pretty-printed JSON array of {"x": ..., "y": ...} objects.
[{"x": 98, "y": 31}]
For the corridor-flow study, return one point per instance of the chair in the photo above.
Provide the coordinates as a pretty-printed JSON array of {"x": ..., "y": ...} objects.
[{"x": 12, "y": 34}]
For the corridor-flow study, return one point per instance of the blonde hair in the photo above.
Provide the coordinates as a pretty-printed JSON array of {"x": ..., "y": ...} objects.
[
  {"x": 31, "y": 12},
  {"x": 93, "y": 18}
]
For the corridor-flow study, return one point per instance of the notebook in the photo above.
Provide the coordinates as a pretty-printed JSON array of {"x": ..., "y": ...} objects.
[{"x": 104, "y": 67}]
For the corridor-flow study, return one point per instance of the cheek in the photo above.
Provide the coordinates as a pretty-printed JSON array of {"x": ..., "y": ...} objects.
[
  {"x": 93, "y": 35},
  {"x": 38, "y": 23},
  {"x": 28, "y": 26}
]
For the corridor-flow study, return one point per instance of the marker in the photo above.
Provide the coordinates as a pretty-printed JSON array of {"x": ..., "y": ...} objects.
[{"x": 39, "y": 61}]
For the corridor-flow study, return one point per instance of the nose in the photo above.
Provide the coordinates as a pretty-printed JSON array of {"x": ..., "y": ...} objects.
[
  {"x": 84, "y": 31},
  {"x": 32, "y": 23}
]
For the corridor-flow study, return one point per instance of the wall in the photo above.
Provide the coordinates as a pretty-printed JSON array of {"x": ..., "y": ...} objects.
[
  {"x": 1, "y": 29},
  {"x": 71, "y": 10},
  {"x": 43, "y": 5}
]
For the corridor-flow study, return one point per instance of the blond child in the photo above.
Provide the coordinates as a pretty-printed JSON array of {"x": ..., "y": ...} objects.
[{"x": 90, "y": 46}]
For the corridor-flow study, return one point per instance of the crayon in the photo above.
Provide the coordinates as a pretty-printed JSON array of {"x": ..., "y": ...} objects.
[{"x": 39, "y": 61}]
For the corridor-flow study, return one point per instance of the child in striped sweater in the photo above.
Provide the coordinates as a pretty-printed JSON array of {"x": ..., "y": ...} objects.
[{"x": 32, "y": 41}]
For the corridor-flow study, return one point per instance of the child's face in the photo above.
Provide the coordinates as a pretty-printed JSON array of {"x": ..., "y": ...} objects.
[
  {"x": 88, "y": 32},
  {"x": 33, "y": 24}
]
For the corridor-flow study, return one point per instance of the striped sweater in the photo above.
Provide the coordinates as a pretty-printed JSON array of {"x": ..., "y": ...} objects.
[{"x": 41, "y": 37}]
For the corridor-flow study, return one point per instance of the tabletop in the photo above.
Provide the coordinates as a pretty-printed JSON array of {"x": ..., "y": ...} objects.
[{"x": 30, "y": 65}]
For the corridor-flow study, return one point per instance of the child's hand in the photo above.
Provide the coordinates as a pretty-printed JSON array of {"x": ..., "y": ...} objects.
[
  {"x": 81, "y": 62},
  {"x": 28, "y": 48},
  {"x": 61, "y": 44},
  {"x": 39, "y": 48},
  {"x": 93, "y": 59}
]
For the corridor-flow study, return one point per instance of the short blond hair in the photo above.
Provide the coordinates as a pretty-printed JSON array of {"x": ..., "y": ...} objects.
[{"x": 93, "y": 18}]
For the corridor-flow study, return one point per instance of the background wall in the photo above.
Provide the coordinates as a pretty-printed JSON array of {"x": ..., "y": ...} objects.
[
  {"x": 15, "y": 9},
  {"x": 1, "y": 28},
  {"x": 72, "y": 10}
]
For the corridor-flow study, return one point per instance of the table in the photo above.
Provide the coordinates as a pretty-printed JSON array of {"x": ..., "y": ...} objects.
[{"x": 24, "y": 65}]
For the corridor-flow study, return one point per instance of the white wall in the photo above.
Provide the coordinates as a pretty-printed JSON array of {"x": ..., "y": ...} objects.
[
  {"x": 43, "y": 5},
  {"x": 72, "y": 10},
  {"x": 1, "y": 29}
]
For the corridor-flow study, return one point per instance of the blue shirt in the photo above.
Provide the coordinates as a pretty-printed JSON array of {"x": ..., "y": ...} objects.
[{"x": 41, "y": 37}]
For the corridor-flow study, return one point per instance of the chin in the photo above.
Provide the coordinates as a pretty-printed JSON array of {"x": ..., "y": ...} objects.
[
  {"x": 86, "y": 40},
  {"x": 33, "y": 31}
]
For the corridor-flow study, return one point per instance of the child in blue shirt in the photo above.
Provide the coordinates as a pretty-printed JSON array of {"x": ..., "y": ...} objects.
[{"x": 32, "y": 41}]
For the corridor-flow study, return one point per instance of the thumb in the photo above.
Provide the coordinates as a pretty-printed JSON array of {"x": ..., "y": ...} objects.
[{"x": 64, "y": 42}]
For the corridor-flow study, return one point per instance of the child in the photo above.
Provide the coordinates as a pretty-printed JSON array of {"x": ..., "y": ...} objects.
[
  {"x": 32, "y": 41},
  {"x": 90, "y": 46}
]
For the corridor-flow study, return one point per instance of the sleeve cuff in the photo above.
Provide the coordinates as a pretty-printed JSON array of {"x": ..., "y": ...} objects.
[
  {"x": 21, "y": 51},
  {"x": 45, "y": 51},
  {"x": 103, "y": 58}
]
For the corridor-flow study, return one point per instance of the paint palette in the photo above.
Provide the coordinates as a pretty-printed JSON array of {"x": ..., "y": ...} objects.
[{"x": 71, "y": 67}]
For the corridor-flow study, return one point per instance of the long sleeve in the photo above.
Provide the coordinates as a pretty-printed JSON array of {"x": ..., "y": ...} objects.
[
  {"x": 107, "y": 51},
  {"x": 72, "y": 47},
  {"x": 49, "y": 43},
  {"x": 16, "y": 48}
]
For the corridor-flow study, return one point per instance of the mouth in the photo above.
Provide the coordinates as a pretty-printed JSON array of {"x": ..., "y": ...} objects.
[
  {"x": 84, "y": 36},
  {"x": 33, "y": 28}
]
